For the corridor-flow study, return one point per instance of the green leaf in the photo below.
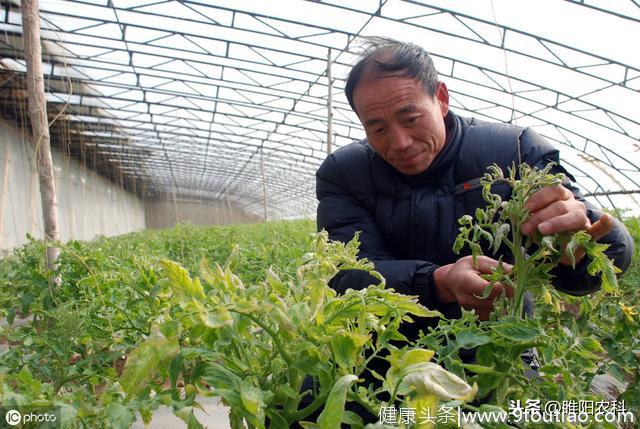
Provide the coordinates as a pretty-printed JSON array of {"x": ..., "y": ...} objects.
[
  {"x": 331, "y": 416},
  {"x": 145, "y": 360},
  {"x": 119, "y": 416},
  {"x": 469, "y": 338},
  {"x": 253, "y": 402},
  {"x": 465, "y": 220},
  {"x": 216, "y": 318},
  {"x": 601, "y": 264},
  {"x": 316, "y": 290},
  {"x": 346, "y": 347},
  {"x": 193, "y": 422},
  {"x": 517, "y": 331},
  {"x": 276, "y": 284},
  {"x": 170, "y": 328},
  {"x": 571, "y": 248},
  {"x": 175, "y": 368},
  {"x": 181, "y": 281},
  {"x": 478, "y": 369},
  {"x": 461, "y": 240}
]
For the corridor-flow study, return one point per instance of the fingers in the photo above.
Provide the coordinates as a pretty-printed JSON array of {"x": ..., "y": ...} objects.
[
  {"x": 483, "y": 307},
  {"x": 469, "y": 293},
  {"x": 463, "y": 282},
  {"x": 558, "y": 217},
  {"x": 486, "y": 264},
  {"x": 554, "y": 209},
  {"x": 602, "y": 227},
  {"x": 546, "y": 196},
  {"x": 472, "y": 296}
]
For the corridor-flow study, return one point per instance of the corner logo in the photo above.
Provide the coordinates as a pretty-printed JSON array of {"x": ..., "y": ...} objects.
[{"x": 13, "y": 417}]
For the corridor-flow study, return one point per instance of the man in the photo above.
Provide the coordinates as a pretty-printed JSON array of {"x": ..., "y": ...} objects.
[{"x": 417, "y": 172}]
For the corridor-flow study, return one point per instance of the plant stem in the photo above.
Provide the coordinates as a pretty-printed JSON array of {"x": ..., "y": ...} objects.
[
  {"x": 306, "y": 411},
  {"x": 287, "y": 358},
  {"x": 520, "y": 270}
]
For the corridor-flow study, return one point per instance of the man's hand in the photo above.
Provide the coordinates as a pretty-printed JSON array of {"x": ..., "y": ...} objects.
[
  {"x": 555, "y": 209},
  {"x": 461, "y": 282}
]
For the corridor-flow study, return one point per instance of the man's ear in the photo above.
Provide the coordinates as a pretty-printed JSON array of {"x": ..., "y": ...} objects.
[{"x": 442, "y": 95}]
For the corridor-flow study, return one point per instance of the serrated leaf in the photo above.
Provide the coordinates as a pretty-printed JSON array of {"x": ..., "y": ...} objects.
[
  {"x": 601, "y": 264},
  {"x": 517, "y": 331},
  {"x": 181, "y": 282},
  {"x": 346, "y": 347},
  {"x": 468, "y": 339},
  {"x": 459, "y": 243}
]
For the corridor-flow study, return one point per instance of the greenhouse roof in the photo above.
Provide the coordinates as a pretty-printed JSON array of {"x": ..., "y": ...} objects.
[{"x": 227, "y": 99}]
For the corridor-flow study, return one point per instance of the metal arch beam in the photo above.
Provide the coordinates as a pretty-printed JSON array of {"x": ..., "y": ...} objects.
[
  {"x": 599, "y": 9},
  {"x": 180, "y": 128},
  {"x": 504, "y": 28}
]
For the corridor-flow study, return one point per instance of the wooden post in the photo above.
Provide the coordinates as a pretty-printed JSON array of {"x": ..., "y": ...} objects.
[
  {"x": 40, "y": 127},
  {"x": 3, "y": 191},
  {"x": 329, "y": 104},
  {"x": 264, "y": 184}
]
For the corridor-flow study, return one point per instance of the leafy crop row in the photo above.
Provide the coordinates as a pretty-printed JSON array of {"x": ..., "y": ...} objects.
[{"x": 245, "y": 313}]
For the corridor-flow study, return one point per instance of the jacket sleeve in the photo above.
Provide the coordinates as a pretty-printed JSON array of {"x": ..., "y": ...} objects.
[
  {"x": 621, "y": 247},
  {"x": 342, "y": 214}
]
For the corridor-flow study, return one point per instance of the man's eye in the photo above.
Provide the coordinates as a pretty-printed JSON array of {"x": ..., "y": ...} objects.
[{"x": 378, "y": 130}]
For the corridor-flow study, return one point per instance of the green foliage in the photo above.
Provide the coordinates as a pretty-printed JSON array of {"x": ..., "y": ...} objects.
[
  {"x": 249, "y": 330},
  {"x": 254, "y": 345},
  {"x": 77, "y": 335},
  {"x": 575, "y": 339},
  {"x": 244, "y": 312}
]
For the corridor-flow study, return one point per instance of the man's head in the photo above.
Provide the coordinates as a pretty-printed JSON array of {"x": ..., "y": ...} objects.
[{"x": 395, "y": 92}]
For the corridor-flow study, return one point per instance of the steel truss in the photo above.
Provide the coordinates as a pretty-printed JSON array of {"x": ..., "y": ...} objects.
[{"x": 205, "y": 101}]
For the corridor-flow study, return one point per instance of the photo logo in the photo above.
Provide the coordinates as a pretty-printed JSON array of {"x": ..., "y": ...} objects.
[{"x": 13, "y": 417}]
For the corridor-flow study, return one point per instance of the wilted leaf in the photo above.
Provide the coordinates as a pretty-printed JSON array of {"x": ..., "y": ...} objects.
[
  {"x": 145, "y": 360},
  {"x": 430, "y": 378}
]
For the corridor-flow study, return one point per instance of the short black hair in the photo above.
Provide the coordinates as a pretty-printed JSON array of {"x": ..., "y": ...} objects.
[{"x": 386, "y": 56}]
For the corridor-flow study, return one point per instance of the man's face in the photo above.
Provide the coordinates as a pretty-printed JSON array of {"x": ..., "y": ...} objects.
[{"x": 403, "y": 123}]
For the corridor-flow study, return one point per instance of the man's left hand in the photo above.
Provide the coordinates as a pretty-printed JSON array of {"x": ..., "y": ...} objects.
[{"x": 554, "y": 209}]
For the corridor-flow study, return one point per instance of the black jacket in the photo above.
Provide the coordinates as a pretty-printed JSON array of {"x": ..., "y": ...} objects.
[{"x": 409, "y": 223}]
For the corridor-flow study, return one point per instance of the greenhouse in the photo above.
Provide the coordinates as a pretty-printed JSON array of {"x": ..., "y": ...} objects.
[{"x": 166, "y": 164}]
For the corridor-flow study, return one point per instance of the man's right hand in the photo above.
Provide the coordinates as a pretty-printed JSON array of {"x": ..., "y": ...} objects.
[{"x": 461, "y": 282}]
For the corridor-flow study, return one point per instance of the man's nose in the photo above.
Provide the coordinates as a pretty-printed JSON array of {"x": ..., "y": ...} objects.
[{"x": 400, "y": 139}]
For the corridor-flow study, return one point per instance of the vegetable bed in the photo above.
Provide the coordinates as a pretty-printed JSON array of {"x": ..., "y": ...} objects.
[{"x": 244, "y": 313}]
